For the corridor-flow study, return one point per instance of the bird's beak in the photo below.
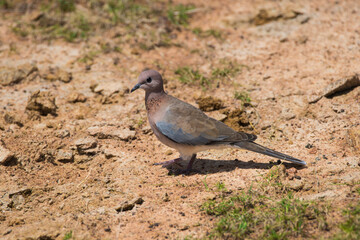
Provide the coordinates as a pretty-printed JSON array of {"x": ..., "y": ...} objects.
[{"x": 137, "y": 86}]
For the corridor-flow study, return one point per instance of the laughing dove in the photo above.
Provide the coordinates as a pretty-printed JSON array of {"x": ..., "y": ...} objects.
[{"x": 186, "y": 128}]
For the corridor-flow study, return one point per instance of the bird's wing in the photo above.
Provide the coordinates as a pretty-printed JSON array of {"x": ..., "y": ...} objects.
[{"x": 185, "y": 124}]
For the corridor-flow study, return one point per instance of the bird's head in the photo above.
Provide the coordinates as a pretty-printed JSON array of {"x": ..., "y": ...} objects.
[{"x": 150, "y": 81}]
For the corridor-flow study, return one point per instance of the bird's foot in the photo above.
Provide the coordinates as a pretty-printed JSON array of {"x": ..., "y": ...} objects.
[{"x": 168, "y": 163}]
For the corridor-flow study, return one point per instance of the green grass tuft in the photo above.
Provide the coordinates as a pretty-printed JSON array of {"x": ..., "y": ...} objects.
[
  {"x": 227, "y": 68},
  {"x": 189, "y": 76},
  {"x": 68, "y": 236},
  {"x": 350, "y": 227},
  {"x": 66, "y": 5},
  {"x": 207, "y": 33},
  {"x": 243, "y": 97},
  {"x": 4, "y": 4},
  {"x": 179, "y": 14},
  {"x": 250, "y": 214}
]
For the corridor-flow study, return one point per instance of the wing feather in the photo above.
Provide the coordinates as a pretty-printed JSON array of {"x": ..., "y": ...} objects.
[{"x": 185, "y": 124}]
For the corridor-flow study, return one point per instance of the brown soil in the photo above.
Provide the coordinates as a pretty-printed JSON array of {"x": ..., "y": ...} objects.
[{"x": 79, "y": 151}]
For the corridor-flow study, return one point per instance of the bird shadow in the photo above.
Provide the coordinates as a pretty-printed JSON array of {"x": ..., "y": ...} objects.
[{"x": 209, "y": 166}]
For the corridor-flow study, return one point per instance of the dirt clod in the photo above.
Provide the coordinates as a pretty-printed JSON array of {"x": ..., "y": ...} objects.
[
  {"x": 57, "y": 74},
  {"x": 341, "y": 85},
  {"x": 208, "y": 104},
  {"x": 13, "y": 119},
  {"x": 42, "y": 102},
  {"x": 129, "y": 205},
  {"x": 5, "y": 155},
  {"x": 10, "y": 76},
  {"x": 84, "y": 144},
  {"x": 106, "y": 132},
  {"x": 75, "y": 97},
  {"x": 64, "y": 156},
  {"x": 295, "y": 185},
  {"x": 237, "y": 119},
  {"x": 268, "y": 15}
]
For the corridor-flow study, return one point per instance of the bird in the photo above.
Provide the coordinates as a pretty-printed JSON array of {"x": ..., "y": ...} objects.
[{"x": 189, "y": 130}]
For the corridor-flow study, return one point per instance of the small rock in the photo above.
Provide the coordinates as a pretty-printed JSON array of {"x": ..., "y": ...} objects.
[
  {"x": 84, "y": 144},
  {"x": 129, "y": 205},
  {"x": 295, "y": 185},
  {"x": 109, "y": 88},
  {"x": 13, "y": 119},
  {"x": 208, "y": 104},
  {"x": 54, "y": 74},
  {"x": 18, "y": 198},
  {"x": 64, "y": 156},
  {"x": 104, "y": 132},
  {"x": 10, "y": 76},
  {"x": 5, "y": 155},
  {"x": 314, "y": 98},
  {"x": 75, "y": 97},
  {"x": 42, "y": 102},
  {"x": 166, "y": 198},
  {"x": 62, "y": 133},
  {"x": 111, "y": 151},
  {"x": 146, "y": 129},
  {"x": 342, "y": 85}
]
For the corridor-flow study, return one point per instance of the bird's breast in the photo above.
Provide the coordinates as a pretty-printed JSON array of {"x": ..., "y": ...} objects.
[{"x": 153, "y": 105}]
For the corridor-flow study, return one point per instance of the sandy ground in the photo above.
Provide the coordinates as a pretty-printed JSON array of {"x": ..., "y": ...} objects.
[{"x": 77, "y": 162}]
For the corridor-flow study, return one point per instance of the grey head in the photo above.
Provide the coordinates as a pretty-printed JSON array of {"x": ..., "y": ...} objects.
[{"x": 150, "y": 81}]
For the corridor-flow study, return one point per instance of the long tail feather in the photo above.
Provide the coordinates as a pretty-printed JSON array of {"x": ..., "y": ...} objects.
[{"x": 267, "y": 151}]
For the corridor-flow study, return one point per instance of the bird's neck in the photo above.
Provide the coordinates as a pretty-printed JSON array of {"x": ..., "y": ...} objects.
[{"x": 153, "y": 100}]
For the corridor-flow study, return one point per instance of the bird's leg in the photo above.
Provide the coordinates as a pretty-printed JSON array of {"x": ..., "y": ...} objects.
[
  {"x": 191, "y": 162},
  {"x": 167, "y": 163},
  {"x": 188, "y": 169}
]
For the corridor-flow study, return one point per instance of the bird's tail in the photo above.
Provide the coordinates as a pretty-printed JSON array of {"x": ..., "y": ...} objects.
[{"x": 266, "y": 151}]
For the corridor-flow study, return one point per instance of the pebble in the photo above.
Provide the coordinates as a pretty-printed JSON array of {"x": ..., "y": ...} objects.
[
  {"x": 5, "y": 155},
  {"x": 295, "y": 185},
  {"x": 342, "y": 85},
  {"x": 42, "y": 102},
  {"x": 64, "y": 156},
  {"x": 83, "y": 144},
  {"x": 106, "y": 132},
  {"x": 10, "y": 76},
  {"x": 62, "y": 133},
  {"x": 129, "y": 205}
]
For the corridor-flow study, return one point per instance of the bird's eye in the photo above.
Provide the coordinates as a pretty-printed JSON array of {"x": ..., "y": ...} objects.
[{"x": 148, "y": 80}]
